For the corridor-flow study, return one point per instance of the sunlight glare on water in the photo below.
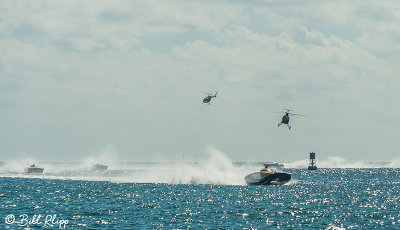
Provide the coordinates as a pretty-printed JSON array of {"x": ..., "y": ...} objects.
[{"x": 322, "y": 199}]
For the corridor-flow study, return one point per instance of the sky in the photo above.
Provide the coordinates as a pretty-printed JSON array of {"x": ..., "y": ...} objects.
[{"x": 80, "y": 78}]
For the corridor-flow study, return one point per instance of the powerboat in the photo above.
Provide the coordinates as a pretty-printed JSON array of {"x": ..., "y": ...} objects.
[
  {"x": 268, "y": 178},
  {"x": 33, "y": 169},
  {"x": 99, "y": 167}
]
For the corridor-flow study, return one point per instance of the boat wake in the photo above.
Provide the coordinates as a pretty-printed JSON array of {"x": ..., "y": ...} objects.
[
  {"x": 214, "y": 168},
  {"x": 338, "y": 162}
]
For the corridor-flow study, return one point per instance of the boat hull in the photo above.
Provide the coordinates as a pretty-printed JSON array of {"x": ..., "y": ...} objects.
[
  {"x": 99, "y": 167},
  {"x": 259, "y": 178},
  {"x": 33, "y": 170}
]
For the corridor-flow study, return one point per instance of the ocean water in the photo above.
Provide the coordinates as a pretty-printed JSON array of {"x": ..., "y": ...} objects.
[{"x": 205, "y": 195}]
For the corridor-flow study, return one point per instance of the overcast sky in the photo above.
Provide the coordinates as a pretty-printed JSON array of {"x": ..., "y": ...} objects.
[{"x": 79, "y": 78}]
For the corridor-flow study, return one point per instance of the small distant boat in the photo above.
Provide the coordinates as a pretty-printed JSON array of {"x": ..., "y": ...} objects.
[
  {"x": 99, "y": 167},
  {"x": 33, "y": 169},
  {"x": 270, "y": 178}
]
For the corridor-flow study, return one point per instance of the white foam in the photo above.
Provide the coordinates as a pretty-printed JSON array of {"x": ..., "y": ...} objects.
[
  {"x": 338, "y": 162},
  {"x": 395, "y": 163},
  {"x": 214, "y": 168}
]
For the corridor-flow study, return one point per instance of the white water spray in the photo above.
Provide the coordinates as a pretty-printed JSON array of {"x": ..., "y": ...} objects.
[
  {"x": 215, "y": 168},
  {"x": 338, "y": 162}
]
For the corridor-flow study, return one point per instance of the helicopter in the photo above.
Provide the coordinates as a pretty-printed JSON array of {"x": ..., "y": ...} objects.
[
  {"x": 209, "y": 97},
  {"x": 285, "y": 118}
]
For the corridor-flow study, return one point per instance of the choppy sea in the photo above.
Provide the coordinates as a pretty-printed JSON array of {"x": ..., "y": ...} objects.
[{"x": 202, "y": 195}]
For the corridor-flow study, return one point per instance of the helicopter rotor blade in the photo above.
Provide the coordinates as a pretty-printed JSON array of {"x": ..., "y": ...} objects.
[
  {"x": 295, "y": 114},
  {"x": 209, "y": 94},
  {"x": 284, "y": 111}
]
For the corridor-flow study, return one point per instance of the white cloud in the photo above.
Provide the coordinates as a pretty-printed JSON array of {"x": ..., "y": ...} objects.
[{"x": 87, "y": 67}]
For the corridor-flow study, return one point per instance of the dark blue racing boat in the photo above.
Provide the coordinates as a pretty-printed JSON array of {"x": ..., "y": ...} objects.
[{"x": 270, "y": 178}]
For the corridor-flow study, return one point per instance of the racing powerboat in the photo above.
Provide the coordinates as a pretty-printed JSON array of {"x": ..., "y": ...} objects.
[
  {"x": 33, "y": 169},
  {"x": 99, "y": 167},
  {"x": 268, "y": 178}
]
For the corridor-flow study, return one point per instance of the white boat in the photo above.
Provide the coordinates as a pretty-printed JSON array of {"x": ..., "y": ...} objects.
[
  {"x": 33, "y": 169},
  {"x": 99, "y": 167}
]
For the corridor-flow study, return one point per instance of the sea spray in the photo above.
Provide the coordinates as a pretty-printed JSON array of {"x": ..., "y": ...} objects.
[
  {"x": 395, "y": 163},
  {"x": 214, "y": 168},
  {"x": 107, "y": 155},
  {"x": 17, "y": 165},
  {"x": 297, "y": 164},
  {"x": 338, "y": 162}
]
